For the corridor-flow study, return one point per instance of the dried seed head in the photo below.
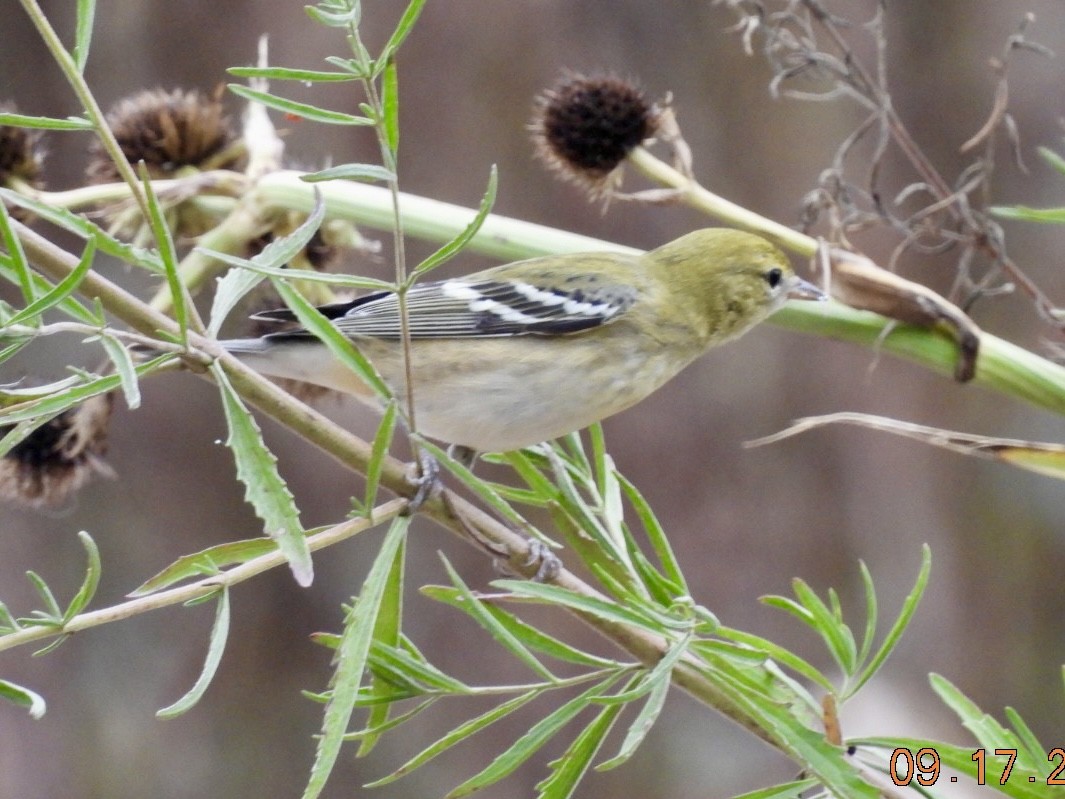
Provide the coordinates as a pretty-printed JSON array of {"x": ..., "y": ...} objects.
[
  {"x": 20, "y": 159},
  {"x": 169, "y": 131},
  {"x": 59, "y": 457},
  {"x": 584, "y": 127}
]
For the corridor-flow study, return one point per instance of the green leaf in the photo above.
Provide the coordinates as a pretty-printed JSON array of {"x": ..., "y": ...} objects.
[
  {"x": 23, "y": 697},
  {"x": 402, "y": 31},
  {"x": 909, "y": 607},
  {"x": 786, "y": 790},
  {"x": 265, "y": 490},
  {"x": 1054, "y": 216},
  {"x": 657, "y": 684},
  {"x": 303, "y": 110},
  {"x": 390, "y": 104},
  {"x": 529, "y": 743},
  {"x": 600, "y": 608},
  {"x": 382, "y": 443},
  {"x": 1052, "y": 158},
  {"x": 60, "y": 292},
  {"x": 219, "y": 636},
  {"x": 363, "y": 173},
  {"x": 765, "y": 648},
  {"x": 475, "y": 608},
  {"x": 45, "y": 123},
  {"x": 205, "y": 563},
  {"x": 352, "y": 656},
  {"x": 303, "y": 275},
  {"x": 826, "y": 623},
  {"x": 167, "y": 252},
  {"x": 568, "y": 769},
  {"x": 124, "y": 368},
  {"x": 92, "y": 578},
  {"x": 238, "y": 282},
  {"x": 83, "y": 33},
  {"x": 85, "y": 229},
  {"x": 655, "y": 534},
  {"x": 286, "y": 73},
  {"x": 341, "y": 347},
  {"x": 386, "y": 635},
  {"x": 458, "y": 735},
  {"x": 526, "y": 633},
  {"x": 456, "y": 244},
  {"x": 13, "y": 247},
  {"x": 1034, "y": 749},
  {"x": 482, "y": 490},
  {"x": 53, "y": 612}
]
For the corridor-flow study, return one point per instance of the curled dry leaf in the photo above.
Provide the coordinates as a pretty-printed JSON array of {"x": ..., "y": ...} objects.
[{"x": 858, "y": 282}]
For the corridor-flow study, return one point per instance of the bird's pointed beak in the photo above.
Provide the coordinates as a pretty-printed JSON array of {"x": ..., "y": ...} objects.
[{"x": 804, "y": 290}]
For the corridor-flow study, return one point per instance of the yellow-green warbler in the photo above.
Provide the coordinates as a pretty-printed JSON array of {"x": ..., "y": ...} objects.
[{"x": 529, "y": 351}]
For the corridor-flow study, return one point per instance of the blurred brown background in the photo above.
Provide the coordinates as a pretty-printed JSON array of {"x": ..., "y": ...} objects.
[{"x": 745, "y": 521}]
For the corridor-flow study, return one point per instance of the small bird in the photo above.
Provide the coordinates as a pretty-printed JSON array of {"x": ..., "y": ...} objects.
[{"x": 529, "y": 351}]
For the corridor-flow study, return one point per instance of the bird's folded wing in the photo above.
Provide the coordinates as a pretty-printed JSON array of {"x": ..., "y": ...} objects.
[{"x": 459, "y": 308}]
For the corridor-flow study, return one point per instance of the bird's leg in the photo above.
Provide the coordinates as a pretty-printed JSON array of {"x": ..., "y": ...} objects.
[
  {"x": 425, "y": 476},
  {"x": 537, "y": 552},
  {"x": 464, "y": 455}
]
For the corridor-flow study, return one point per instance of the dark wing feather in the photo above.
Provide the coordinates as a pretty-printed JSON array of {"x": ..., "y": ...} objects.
[{"x": 460, "y": 308}]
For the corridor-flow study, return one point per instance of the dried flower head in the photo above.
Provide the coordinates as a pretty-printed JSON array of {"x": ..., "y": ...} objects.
[
  {"x": 169, "y": 131},
  {"x": 20, "y": 159},
  {"x": 59, "y": 457},
  {"x": 584, "y": 127}
]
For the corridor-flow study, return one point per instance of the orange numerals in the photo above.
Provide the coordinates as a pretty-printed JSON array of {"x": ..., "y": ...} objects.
[{"x": 924, "y": 766}]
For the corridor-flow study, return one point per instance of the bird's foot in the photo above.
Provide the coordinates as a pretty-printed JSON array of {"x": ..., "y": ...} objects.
[{"x": 424, "y": 474}]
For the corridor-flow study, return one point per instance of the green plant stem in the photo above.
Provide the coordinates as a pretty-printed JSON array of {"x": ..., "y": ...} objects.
[
  {"x": 448, "y": 509},
  {"x": 200, "y": 588},
  {"x": 88, "y": 101}
]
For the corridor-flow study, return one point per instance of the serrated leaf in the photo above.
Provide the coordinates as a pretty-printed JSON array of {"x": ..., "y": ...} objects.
[
  {"x": 23, "y": 697},
  {"x": 87, "y": 230},
  {"x": 206, "y": 562},
  {"x": 217, "y": 646},
  {"x": 264, "y": 489},
  {"x": 351, "y": 658},
  {"x": 304, "y": 110}
]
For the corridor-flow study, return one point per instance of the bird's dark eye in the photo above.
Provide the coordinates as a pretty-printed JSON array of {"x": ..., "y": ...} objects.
[{"x": 773, "y": 277}]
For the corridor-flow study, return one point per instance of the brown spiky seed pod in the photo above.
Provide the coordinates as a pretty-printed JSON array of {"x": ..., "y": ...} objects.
[
  {"x": 584, "y": 127},
  {"x": 59, "y": 457},
  {"x": 168, "y": 131},
  {"x": 20, "y": 159}
]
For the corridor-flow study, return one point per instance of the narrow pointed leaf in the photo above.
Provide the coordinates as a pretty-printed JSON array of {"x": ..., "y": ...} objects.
[
  {"x": 531, "y": 742},
  {"x": 219, "y": 636},
  {"x": 458, "y": 735},
  {"x": 568, "y": 770},
  {"x": 303, "y": 110},
  {"x": 352, "y": 656},
  {"x": 91, "y": 581}
]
